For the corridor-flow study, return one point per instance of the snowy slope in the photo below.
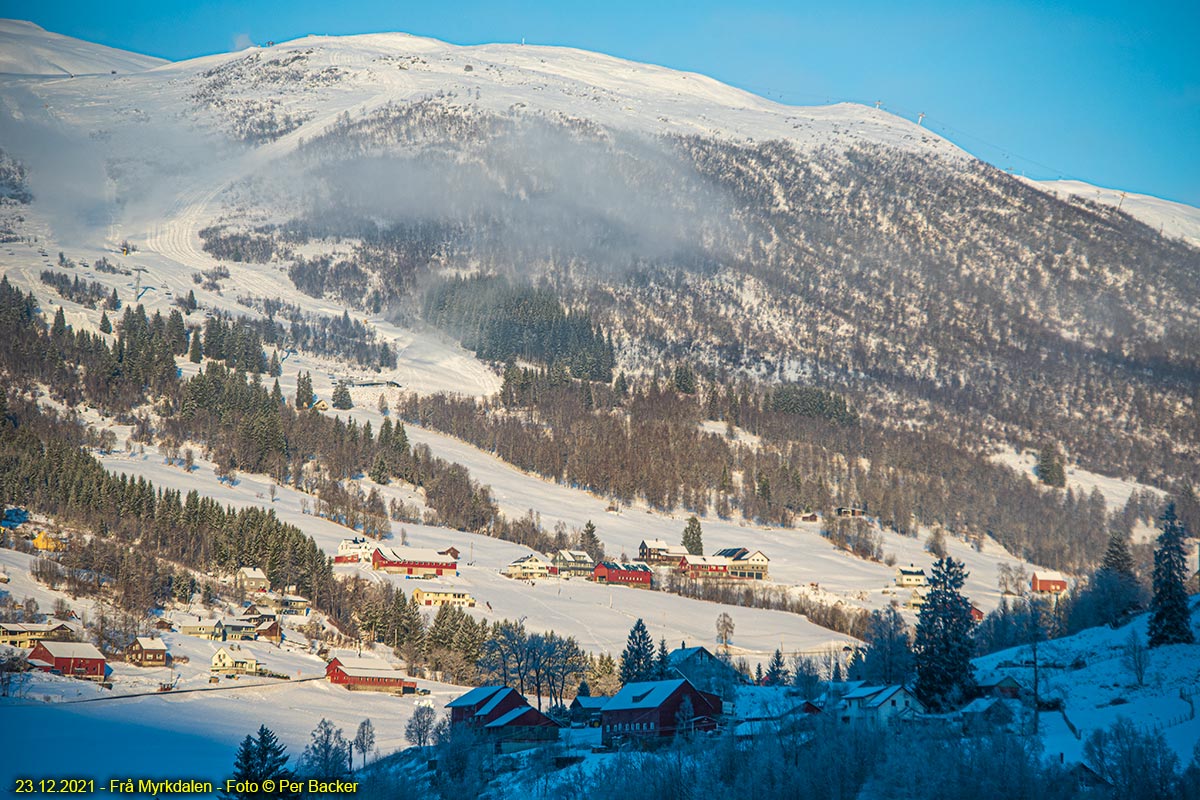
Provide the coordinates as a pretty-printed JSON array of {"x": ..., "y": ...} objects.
[
  {"x": 27, "y": 49},
  {"x": 1174, "y": 219},
  {"x": 1100, "y": 688}
]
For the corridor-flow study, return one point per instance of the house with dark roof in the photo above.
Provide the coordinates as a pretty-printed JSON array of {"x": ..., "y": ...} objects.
[
  {"x": 649, "y": 711},
  {"x": 745, "y": 563},
  {"x": 586, "y": 710},
  {"x": 705, "y": 670}
]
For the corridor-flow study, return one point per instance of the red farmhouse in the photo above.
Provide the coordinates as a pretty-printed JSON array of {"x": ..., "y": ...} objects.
[
  {"x": 625, "y": 574},
  {"x": 371, "y": 674},
  {"x": 76, "y": 659},
  {"x": 484, "y": 704},
  {"x": 653, "y": 709},
  {"x": 704, "y": 566}
]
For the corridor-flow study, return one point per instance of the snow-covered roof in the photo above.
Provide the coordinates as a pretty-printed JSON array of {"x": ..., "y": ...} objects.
[
  {"x": 474, "y": 697},
  {"x": 253, "y": 573},
  {"x": 146, "y": 643},
  {"x": 364, "y": 663},
  {"x": 71, "y": 649},
  {"x": 708, "y": 561},
  {"x": 509, "y": 717},
  {"x": 654, "y": 544},
  {"x": 385, "y": 672},
  {"x": 627, "y": 567},
  {"x": 575, "y": 555},
  {"x": 422, "y": 554},
  {"x": 589, "y": 702},
  {"x": 643, "y": 695},
  {"x": 1049, "y": 575},
  {"x": 490, "y": 706}
]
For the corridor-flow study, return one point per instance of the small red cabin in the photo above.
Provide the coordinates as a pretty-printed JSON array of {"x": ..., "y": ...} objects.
[
  {"x": 484, "y": 705},
  {"x": 1048, "y": 581},
  {"x": 76, "y": 659}
]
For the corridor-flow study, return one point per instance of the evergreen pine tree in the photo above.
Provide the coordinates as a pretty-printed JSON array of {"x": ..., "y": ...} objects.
[
  {"x": 190, "y": 303},
  {"x": 584, "y": 690},
  {"x": 1117, "y": 558},
  {"x": 114, "y": 302},
  {"x": 195, "y": 353},
  {"x": 777, "y": 672},
  {"x": 379, "y": 470},
  {"x": 1050, "y": 466},
  {"x": 621, "y": 385},
  {"x": 692, "y": 539},
  {"x": 274, "y": 368},
  {"x": 257, "y": 760},
  {"x": 662, "y": 663},
  {"x": 685, "y": 379},
  {"x": 304, "y": 390},
  {"x": 105, "y": 324},
  {"x": 637, "y": 660},
  {"x": 943, "y": 642},
  {"x": 589, "y": 542},
  {"x": 758, "y": 674},
  {"x": 1170, "y": 619},
  {"x": 341, "y": 396},
  {"x": 60, "y": 324}
]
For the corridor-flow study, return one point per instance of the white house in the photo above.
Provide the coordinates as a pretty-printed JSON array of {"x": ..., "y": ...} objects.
[
  {"x": 910, "y": 576},
  {"x": 252, "y": 579},
  {"x": 878, "y": 705},
  {"x": 528, "y": 567}
]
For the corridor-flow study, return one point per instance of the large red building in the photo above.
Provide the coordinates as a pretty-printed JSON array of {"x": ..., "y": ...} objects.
[
  {"x": 371, "y": 674},
  {"x": 414, "y": 562},
  {"x": 76, "y": 659},
  {"x": 623, "y": 574},
  {"x": 656, "y": 709}
]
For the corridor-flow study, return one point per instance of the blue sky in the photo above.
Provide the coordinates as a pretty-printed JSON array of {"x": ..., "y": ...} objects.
[{"x": 1106, "y": 92}]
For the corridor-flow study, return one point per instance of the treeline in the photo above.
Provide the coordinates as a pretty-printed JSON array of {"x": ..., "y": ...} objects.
[
  {"x": 644, "y": 441},
  {"x": 79, "y": 366},
  {"x": 89, "y": 294},
  {"x": 342, "y": 336},
  {"x": 47, "y": 468},
  {"x": 505, "y": 322}
]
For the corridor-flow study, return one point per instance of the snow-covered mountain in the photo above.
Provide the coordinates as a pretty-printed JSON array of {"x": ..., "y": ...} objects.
[
  {"x": 28, "y": 49},
  {"x": 1173, "y": 219},
  {"x": 839, "y": 244}
]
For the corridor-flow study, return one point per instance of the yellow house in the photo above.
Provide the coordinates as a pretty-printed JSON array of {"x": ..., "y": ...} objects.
[
  {"x": 442, "y": 597},
  {"x": 320, "y": 405},
  {"x": 47, "y": 543}
]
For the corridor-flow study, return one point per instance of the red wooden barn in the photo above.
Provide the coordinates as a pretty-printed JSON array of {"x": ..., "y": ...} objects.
[
  {"x": 624, "y": 574},
  {"x": 371, "y": 674},
  {"x": 417, "y": 562},
  {"x": 484, "y": 704},
  {"x": 76, "y": 659},
  {"x": 653, "y": 709}
]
